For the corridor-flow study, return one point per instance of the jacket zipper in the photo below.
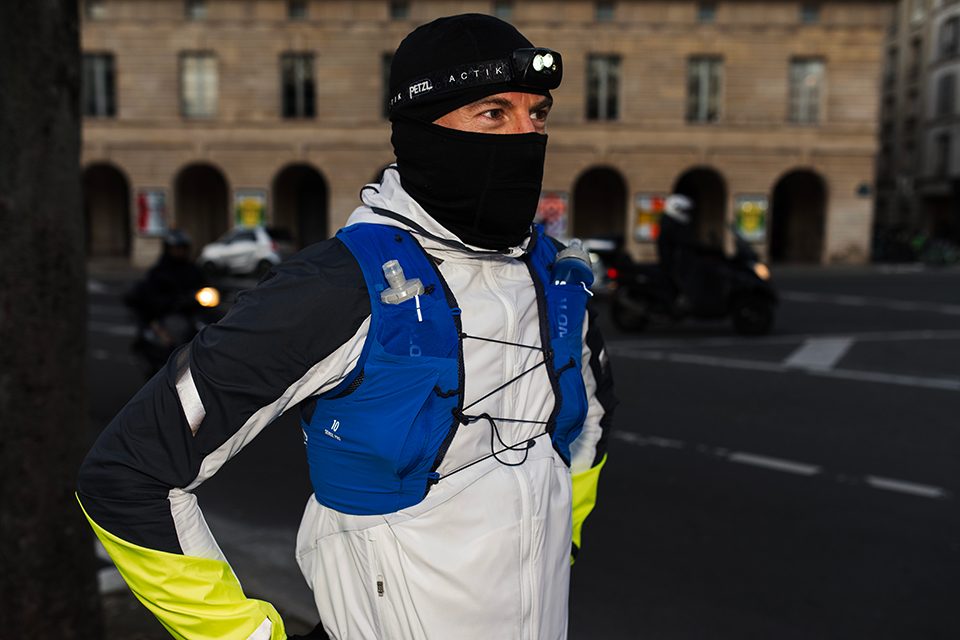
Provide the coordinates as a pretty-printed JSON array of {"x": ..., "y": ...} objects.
[
  {"x": 379, "y": 584},
  {"x": 510, "y": 329},
  {"x": 528, "y": 582}
]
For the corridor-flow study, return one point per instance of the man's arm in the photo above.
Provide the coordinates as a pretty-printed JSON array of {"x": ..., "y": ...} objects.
[
  {"x": 298, "y": 333},
  {"x": 589, "y": 450}
]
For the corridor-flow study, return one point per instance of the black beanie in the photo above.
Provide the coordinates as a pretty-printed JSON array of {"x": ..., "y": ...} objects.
[{"x": 448, "y": 43}]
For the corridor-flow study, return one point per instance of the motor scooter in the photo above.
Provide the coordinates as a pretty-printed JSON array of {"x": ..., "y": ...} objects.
[
  {"x": 156, "y": 339},
  {"x": 710, "y": 285}
]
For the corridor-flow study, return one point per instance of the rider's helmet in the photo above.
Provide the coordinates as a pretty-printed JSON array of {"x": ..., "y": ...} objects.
[
  {"x": 679, "y": 207},
  {"x": 176, "y": 244},
  {"x": 176, "y": 238}
]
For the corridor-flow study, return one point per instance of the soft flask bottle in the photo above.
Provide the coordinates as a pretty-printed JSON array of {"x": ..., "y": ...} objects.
[{"x": 573, "y": 266}]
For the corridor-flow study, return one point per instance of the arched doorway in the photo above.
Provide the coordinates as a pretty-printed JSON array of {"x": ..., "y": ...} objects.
[
  {"x": 202, "y": 201},
  {"x": 599, "y": 203},
  {"x": 708, "y": 190},
  {"x": 798, "y": 218},
  {"x": 300, "y": 203},
  {"x": 106, "y": 211}
]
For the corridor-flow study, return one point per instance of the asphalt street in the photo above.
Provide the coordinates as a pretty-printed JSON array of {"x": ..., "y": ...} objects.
[{"x": 800, "y": 485}]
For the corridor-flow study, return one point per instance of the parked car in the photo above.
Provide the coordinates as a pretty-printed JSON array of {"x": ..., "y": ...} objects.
[
  {"x": 246, "y": 250},
  {"x": 606, "y": 254}
]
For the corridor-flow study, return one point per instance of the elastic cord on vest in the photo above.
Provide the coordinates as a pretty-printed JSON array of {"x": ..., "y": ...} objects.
[{"x": 466, "y": 419}]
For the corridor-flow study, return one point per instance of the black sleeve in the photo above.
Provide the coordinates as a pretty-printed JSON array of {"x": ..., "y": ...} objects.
[{"x": 204, "y": 403}]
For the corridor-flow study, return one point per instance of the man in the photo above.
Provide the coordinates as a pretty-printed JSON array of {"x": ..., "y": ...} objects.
[
  {"x": 167, "y": 289},
  {"x": 171, "y": 279},
  {"x": 675, "y": 240},
  {"x": 449, "y": 389}
]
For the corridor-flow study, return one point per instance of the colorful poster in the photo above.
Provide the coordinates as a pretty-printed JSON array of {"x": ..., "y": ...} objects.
[
  {"x": 649, "y": 208},
  {"x": 151, "y": 211},
  {"x": 250, "y": 207},
  {"x": 750, "y": 216},
  {"x": 552, "y": 213}
]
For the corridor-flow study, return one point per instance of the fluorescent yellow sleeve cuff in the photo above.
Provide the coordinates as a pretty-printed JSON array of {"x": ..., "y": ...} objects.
[
  {"x": 584, "y": 496},
  {"x": 194, "y": 598}
]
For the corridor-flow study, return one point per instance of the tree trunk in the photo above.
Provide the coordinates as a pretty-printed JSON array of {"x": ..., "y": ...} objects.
[{"x": 48, "y": 583}]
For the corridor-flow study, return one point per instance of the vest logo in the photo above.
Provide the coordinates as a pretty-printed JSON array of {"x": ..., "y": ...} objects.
[
  {"x": 331, "y": 431},
  {"x": 562, "y": 319},
  {"x": 415, "y": 350}
]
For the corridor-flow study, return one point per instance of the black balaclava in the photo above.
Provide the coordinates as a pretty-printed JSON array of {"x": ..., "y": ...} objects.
[{"x": 482, "y": 187}]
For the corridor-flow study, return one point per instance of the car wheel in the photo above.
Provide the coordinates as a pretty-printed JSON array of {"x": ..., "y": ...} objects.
[
  {"x": 752, "y": 315},
  {"x": 210, "y": 269},
  {"x": 628, "y": 314}
]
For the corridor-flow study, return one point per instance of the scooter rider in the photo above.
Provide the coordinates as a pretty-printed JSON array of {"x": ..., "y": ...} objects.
[
  {"x": 171, "y": 280},
  {"x": 675, "y": 239},
  {"x": 455, "y": 398}
]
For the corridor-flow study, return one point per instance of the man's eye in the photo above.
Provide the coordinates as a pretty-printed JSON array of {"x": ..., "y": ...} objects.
[
  {"x": 540, "y": 114},
  {"x": 493, "y": 114}
]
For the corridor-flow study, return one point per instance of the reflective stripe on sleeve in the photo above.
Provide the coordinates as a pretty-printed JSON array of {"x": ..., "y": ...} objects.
[{"x": 193, "y": 409}]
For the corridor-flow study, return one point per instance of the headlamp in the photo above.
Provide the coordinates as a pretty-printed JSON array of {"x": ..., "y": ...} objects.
[
  {"x": 540, "y": 68},
  {"x": 534, "y": 68}
]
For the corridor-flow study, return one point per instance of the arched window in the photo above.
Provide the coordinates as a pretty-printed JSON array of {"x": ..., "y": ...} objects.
[
  {"x": 946, "y": 95},
  {"x": 950, "y": 37}
]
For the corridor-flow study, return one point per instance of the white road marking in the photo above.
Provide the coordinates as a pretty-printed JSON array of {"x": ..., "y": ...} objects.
[
  {"x": 100, "y": 551},
  {"x": 902, "y": 268},
  {"x": 107, "y": 310},
  {"x": 654, "y": 441},
  {"x": 125, "y": 330},
  {"x": 786, "y": 466},
  {"x": 104, "y": 355},
  {"x": 109, "y": 580},
  {"x": 864, "y": 301},
  {"x": 788, "y": 339},
  {"x": 910, "y": 488},
  {"x": 820, "y": 354},
  {"x": 776, "y": 464},
  {"x": 941, "y": 384},
  {"x": 95, "y": 286}
]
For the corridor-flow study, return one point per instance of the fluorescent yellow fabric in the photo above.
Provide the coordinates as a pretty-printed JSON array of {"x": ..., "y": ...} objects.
[
  {"x": 194, "y": 598},
  {"x": 584, "y": 496}
]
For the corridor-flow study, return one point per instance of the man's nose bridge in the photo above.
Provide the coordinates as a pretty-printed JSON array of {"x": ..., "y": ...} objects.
[{"x": 524, "y": 123}]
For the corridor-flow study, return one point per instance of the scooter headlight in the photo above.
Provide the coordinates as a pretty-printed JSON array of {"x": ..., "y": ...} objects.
[
  {"x": 208, "y": 297},
  {"x": 762, "y": 271}
]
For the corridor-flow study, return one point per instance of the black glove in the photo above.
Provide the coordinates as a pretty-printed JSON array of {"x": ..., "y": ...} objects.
[{"x": 317, "y": 634}]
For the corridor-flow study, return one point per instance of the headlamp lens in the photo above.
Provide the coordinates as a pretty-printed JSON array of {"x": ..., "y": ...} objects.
[{"x": 541, "y": 68}]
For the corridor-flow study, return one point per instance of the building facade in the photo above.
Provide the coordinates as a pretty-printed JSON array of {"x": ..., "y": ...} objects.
[
  {"x": 207, "y": 114},
  {"x": 918, "y": 166}
]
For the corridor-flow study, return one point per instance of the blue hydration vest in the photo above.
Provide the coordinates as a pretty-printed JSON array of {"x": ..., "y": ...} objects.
[{"x": 375, "y": 441}]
